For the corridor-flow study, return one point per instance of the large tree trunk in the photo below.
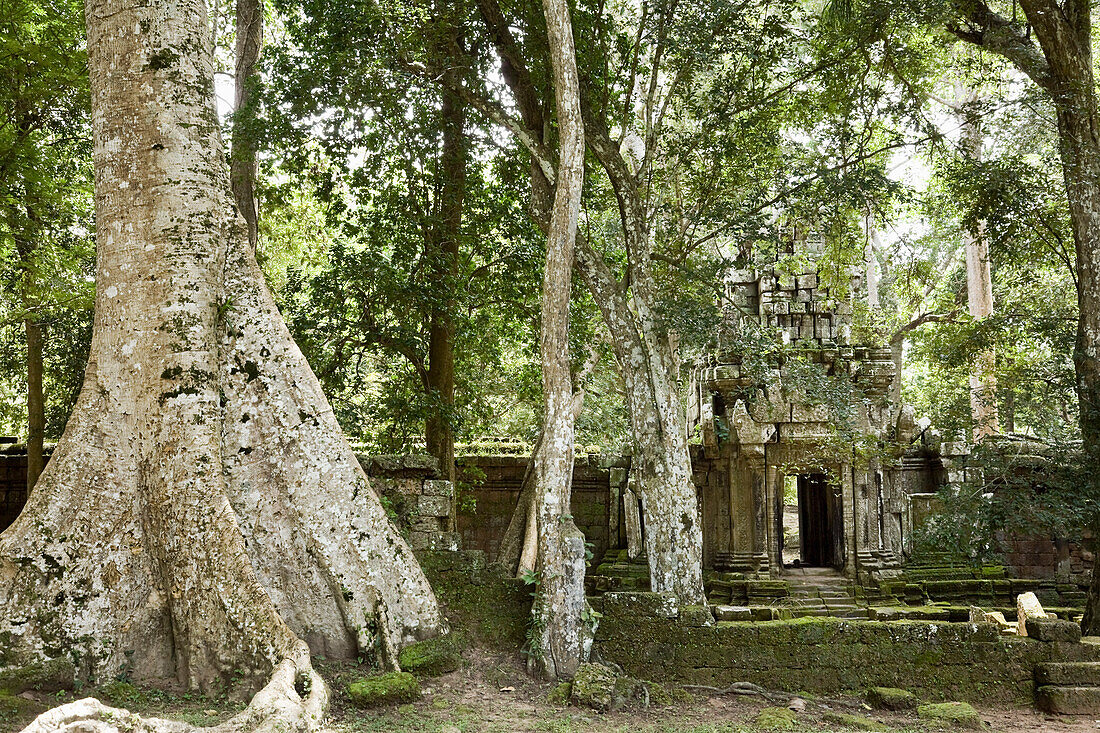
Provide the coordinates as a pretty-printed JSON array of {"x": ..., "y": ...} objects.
[
  {"x": 561, "y": 600},
  {"x": 202, "y": 508},
  {"x": 242, "y": 161}
]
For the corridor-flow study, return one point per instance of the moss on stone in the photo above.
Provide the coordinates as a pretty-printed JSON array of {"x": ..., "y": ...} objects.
[
  {"x": 384, "y": 689},
  {"x": 891, "y": 698},
  {"x": 776, "y": 719},
  {"x": 854, "y": 722},
  {"x": 952, "y": 715},
  {"x": 658, "y": 695},
  {"x": 50, "y": 676},
  {"x": 560, "y": 694},
  {"x": 481, "y": 602},
  {"x": 432, "y": 657},
  {"x": 593, "y": 686}
]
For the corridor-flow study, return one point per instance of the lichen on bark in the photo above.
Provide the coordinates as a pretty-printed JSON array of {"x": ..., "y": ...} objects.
[{"x": 221, "y": 547}]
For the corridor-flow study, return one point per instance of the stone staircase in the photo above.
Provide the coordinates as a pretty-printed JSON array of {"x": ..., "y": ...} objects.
[
  {"x": 1068, "y": 688},
  {"x": 822, "y": 592}
]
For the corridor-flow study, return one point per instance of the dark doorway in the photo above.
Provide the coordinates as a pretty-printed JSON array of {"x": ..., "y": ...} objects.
[{"x": 815, "y": 521}]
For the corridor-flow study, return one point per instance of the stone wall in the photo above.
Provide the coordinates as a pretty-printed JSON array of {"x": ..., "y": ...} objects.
[
  {"x": 13, "y": 481},
  {"x": 13, "y": 487},
  {"x": 651, "y": 639},
  {"x": 490, "y": 487},
  {"x": 419, "y": 502},
  {"x": 1055, "y": 558}
]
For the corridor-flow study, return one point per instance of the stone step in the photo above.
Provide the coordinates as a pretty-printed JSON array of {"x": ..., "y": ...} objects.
[
  {"x": 801, "y": 612},
  {"x": 1068, "y": 700},
  {"x": 1068, "y": 674}
]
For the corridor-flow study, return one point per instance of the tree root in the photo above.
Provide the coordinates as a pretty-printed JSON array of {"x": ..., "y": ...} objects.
[
  {"x": 748, "y": 688},
  {"x": 743, "y": 688},
  {"x": 278, "y": 707}
]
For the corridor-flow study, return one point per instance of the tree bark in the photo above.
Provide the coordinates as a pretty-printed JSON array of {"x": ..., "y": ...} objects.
[
  {"x": 979, "y": 292},
  {"x": 1061, "y": 64},
  {"x": 36, "y": 408},
  {"x": 242, "y": 161},
  {"x": 644, "y": 355},
  {"x": 202, "y": 517},
  {"x": 443, "y": 265},
  {"x": 561, "y": 601}
]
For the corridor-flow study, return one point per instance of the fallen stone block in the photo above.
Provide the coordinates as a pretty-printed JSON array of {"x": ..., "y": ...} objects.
[
  {"x": 593, "y": 686},
  {"x": 1053, "y": 629},
  {"x": 1027, "y": 606},
  {"x": 891, "y": 698},
  {"x": 733, "y": 613},
  {"x": 955, "y": 714}
]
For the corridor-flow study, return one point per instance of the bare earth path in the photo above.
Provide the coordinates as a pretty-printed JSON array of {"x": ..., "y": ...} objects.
[{"x": 493, "y": 694}]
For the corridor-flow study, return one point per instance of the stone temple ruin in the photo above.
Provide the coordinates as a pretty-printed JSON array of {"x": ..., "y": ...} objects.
[
  {"x": 803, "y": 514},
  {"x": 777, "y": 487}
]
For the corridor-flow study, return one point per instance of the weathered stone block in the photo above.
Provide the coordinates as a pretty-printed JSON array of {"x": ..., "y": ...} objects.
[
  {"x": 956, "y": 714},
  {"x": 1068, "y": 700},
  {"x": 434, "y": 506},
  {"x": 1070, "y": 674},
  {"x": 891, "y": 698},
  {"x": 436, "y": 487},
  {"x": 1050, "y": 629},
  {"x": 651, "y": 605},
  {"x": 733, "y": 613},
  {"x": 593, "y": 686},
  {"x": 696, "y": 616}
]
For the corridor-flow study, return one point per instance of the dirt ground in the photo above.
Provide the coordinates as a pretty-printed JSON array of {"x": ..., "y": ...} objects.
[{"x": 493, "y": 694}]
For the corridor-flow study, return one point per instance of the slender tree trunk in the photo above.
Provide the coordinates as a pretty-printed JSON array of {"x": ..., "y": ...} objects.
[
  {"x": 36, "y": 403},
  {"x": 242, "y": 161},
  {"x": 202, "y": 517},
  {"x": 36, "y": 411},
  {"x": 870, "y": 259},
  {"x": 561, "y": 600},
  {"x": 26, "y": 244},
  {"x": 979, "y": 291},
  {"x": 643, "y": 354},
  {"x": 443, "y": 264},
  {"x": 1079, "y": 132},
  {"x": 517, "y": 536}
]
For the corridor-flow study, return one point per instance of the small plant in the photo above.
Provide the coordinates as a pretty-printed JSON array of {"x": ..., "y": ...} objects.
[{"x": 536, "y": 626}]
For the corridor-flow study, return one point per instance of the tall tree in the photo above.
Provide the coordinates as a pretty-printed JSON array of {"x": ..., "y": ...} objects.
[
  {"x": 42, "y": 141},
  {"x": 979, "y": 286},
  {"x": 561, "y": 599},
  {"x": 642, "y": 348},
  {"x": 242, "y": 161},
  {"x": 1059, "y": 60},
  {"x": 203, "y": 508}
]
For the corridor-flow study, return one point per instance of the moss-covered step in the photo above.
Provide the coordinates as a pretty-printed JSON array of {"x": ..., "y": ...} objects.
[{"x": 1067, "y": 700}]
